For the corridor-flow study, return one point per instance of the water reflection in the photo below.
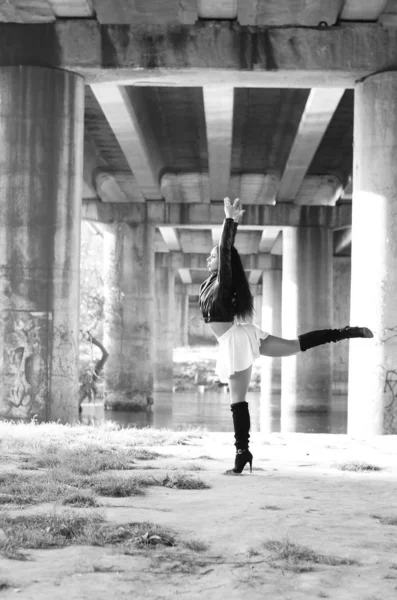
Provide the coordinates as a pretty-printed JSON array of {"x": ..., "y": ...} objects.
[{"x": 211, "y": 410}]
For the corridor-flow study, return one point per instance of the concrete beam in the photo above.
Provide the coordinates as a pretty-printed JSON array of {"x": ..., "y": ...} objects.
[
  {"x": 185, "y": 276},
  {"x": 20, "y": 11},
  {"x": 218, "y": 108},
  {"x": 359, "y": 10},
  {"x": 320, "y": 107},
  {"x": 343, "y": 241},
  {"x": 96, "y": 177},
  {"x": 119, "y": 112},
  {"x": 221, "y": 9},
  {"x": 180, "y": 55},
  {"x": 179, "y": 260},
  {"x": 205, "y": 216},
  {"x": 72, "y": 8},
  {"x": 144, "y": 12},
  {"x": 170, "y": 238},
  {"x": 285, "y": 12}
]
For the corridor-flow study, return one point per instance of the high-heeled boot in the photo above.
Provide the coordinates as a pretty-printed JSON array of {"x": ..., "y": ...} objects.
[
  {"x": 241, "y": 424},
  {"x": 324, "y": 336}
]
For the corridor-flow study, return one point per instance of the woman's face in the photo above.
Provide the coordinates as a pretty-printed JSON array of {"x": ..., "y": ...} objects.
[{"x": 212, "y": 260}]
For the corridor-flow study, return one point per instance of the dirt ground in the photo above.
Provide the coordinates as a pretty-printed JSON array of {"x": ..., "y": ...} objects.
[{"x": 295, "y": 494}]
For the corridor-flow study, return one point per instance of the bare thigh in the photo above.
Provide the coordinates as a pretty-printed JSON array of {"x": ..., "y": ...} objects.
[
  {"x": 238, "y": 385},
  {"x": 276, "y": 346}
]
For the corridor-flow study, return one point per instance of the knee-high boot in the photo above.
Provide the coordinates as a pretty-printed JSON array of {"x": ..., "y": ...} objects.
[
  {"x": 242, "y": 425},
  {"x": 324, "y": 336}
]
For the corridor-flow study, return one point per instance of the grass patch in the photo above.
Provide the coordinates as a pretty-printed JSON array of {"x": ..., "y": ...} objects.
[
  {"x": 271, "y": 507},
  {"x": 386, "y": 520},
  {"x": 117, "y": 486},
  {"x": 80, "y": 499},
  {"x": 183, "y": 481},
  {"x": 23, "y": 489},
  {"x": 60, "y": 529},
  {"x": 356, "y": 466},
  {"x": 196, "y": 545},
  {"x": 48, "y": 530},
  {"x": 295, "y": 554},
  {"x": 36, "y": 437}
]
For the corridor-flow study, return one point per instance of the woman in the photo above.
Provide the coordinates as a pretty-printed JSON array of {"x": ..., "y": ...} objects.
[{"x": 226, "y": 304}]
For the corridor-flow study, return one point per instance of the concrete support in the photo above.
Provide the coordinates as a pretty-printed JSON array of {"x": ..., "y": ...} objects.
[
  {"x": 129, "y": 315},
  {"x": 41, "y": 162},
  {"x": 373, "y": 363},
  {"x": 164, "y": 327},
  {"x": 181, "y": 315},
  {"x": 306, "y": 305},
  {"x": 270, "y": 367},
  {"x": 341, "y": 317}
]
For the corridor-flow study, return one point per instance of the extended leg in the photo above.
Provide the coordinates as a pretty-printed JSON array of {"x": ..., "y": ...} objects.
[{"x": 275, "y": 346}]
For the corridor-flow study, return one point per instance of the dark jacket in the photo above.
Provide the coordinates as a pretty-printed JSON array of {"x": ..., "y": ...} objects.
[{"x": 216, "y": 297}]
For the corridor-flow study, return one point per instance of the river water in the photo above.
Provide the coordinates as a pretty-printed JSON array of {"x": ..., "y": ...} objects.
[{"x": 211, "y": 410}]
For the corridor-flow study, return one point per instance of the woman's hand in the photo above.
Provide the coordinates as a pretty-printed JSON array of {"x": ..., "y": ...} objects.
[{"x": 233, "y": 211}]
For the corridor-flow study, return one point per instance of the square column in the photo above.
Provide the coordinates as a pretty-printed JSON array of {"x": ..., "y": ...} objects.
[
  {"x": 182, "y": 315},
  {"x": 164, "y": 327},
  {"x": 270, "y": 367},
  {"x": 129, "y": 315},
  {"x": 306, "y": 306},
  {"x": 372, "y": 402},
  {"x": 41, "y": 162}
]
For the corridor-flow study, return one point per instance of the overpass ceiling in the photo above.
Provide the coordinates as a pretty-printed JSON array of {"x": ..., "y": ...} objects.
[{"x": 186, "y": 144}]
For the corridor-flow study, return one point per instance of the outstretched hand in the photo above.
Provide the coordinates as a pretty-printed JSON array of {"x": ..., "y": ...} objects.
[{"x": 233, "y": 211}]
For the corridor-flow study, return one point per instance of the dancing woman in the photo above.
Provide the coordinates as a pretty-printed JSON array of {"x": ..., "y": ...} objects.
[{"x": 226, "y": 304}]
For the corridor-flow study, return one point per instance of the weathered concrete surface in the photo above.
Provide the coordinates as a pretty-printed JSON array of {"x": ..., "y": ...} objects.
[
  {"x": 41, "y": 154},
  {"x": 207, "y": 53},
  {"x": 129, "y": 314},
  {"x": 271, "y": 322},
  {"x": 205, "y": 216},
  {"x": 373, "y": 368},
  {"x": 306, "y": 306},
  {"x": 164, "y": 329}
]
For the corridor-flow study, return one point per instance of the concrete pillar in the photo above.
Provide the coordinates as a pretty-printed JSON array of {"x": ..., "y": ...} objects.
[
  {"x": 129, "y": 315},
  {"x": 270, "y": 367},
  {"x": 306, "y": 305},
  {"x": 181, "y": 315},
  {"x": 341, "y": 317},
  {"x": 41, "y": 161},
  {"x": 165, "y": 323},
  {"x": 372, "y": 403}
]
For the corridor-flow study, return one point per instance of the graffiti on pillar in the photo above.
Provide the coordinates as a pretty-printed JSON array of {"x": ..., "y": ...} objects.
[
  {"x": 390, "y": 385},
  {"x": 25, "y": 375},
  {"x": 64, "y": 353}
]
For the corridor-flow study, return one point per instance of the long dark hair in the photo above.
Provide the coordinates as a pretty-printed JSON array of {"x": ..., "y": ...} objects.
[{"x": 242, "y": 296}]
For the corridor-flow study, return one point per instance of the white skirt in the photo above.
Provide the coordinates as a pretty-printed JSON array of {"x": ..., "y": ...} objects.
[{"x": 238, "y": 348}]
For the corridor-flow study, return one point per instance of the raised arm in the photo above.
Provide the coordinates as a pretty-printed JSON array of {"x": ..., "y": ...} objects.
[{"x": 233, "y": 213}]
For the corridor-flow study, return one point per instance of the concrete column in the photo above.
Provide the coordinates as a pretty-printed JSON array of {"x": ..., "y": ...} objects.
[
  {"x": 341, "y": 317},
  {"x": 165, "y": 323},
  {"x": 129, "y": 315},
  {"x": 270, "y": 367},
  {"x": 41, "y": 161},
  {"x": 306, "y": 305},
  {"x": 372, "y": 402},
  {"x": 182, "y": 315}
]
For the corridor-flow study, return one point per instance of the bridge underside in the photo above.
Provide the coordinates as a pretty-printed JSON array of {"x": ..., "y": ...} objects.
[{"x": 140, "y": 120}]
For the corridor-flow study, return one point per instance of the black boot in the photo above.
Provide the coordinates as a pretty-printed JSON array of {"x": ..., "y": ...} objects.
[
  {"x": 242, "y": 424},
  {"x": 324, "y": 336}
]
